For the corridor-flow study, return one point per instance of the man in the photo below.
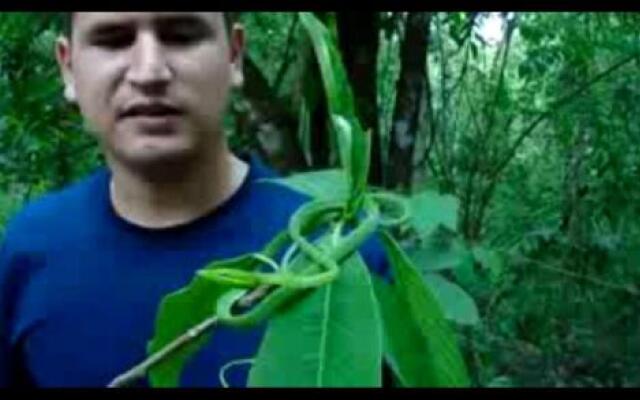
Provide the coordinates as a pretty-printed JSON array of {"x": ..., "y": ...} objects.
[{"x": 83, "y": 270}]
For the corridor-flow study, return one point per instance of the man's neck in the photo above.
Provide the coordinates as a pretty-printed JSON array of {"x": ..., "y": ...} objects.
[{"x": 193, "y": 192}]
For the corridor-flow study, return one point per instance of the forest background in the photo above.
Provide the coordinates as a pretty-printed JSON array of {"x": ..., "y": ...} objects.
[{"x": 513, "y": 134}]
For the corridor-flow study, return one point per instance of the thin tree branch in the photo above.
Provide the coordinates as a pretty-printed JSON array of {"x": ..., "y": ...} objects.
[
  {"x": 287, "y": 55},
  {"x": 630, "y": 289},
  {"x": 501, "y": 73},
  {"x": 474, "y": 113},
  {"x": 453, "y": 92},
  {"x": 464, "y": 39},
  {"x": 463, "y": 69},
  {"x": 433, "y": 119},
  {"x": 140, "y": 371},
  {"x": 472, "y": 216},
  {"x": 563, "y": 101}
]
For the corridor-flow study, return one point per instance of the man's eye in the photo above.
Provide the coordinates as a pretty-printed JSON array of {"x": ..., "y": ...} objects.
[
  {"x": 181, "y": 36},
  {"x": 114, "y": 41}
]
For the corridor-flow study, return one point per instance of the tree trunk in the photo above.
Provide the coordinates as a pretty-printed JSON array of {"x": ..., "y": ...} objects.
[
  {"x": 358, "y": 34},
  {"x": 267, "y": 124},
  {"x": 409, "y": 96}
]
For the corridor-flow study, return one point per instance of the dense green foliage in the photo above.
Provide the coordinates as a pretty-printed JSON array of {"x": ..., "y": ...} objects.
[{"x": 523, "y": 158}]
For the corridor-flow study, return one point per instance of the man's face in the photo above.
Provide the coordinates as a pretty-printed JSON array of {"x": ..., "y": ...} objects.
[{"x": 153, "y": 85}]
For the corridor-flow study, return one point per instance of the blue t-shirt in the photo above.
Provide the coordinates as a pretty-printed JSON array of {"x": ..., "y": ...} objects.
[{"x": 80, "y": 286}]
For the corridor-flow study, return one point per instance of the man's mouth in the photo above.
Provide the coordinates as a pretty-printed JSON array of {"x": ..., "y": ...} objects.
[{"x": 151, "y": 110}]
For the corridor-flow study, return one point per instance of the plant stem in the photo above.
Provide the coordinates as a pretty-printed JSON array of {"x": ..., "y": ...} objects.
[{"x": 140, "y": 371}]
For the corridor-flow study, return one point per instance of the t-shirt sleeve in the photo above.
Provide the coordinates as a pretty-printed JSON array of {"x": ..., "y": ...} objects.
[
  {"x": 5, "y": 353},
  {"x": 9, "y": 284}
]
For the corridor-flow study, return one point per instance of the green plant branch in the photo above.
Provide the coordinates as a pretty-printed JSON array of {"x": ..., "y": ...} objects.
[{"x": 140, "y": 370}]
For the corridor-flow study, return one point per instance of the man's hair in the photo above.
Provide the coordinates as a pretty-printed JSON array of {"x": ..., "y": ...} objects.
[{"x": 229, "y": 19}]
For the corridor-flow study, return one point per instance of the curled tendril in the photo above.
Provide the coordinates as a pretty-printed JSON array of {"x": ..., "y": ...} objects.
[
  {"x": 288, "y": 256},
  {"x": 232, "y": 363},
  {"x": 266, "y": 260},
  {"x": 394, "y": 202},
  {"x": 337, "y": 232}
]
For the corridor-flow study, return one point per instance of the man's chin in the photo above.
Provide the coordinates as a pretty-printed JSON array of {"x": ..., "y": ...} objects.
[{"x": 159, "y": 165}]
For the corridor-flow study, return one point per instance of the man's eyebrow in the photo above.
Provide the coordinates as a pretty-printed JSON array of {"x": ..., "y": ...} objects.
[
  {"x": 191, "y": 20},
  {"x": 109, "y": 27}
]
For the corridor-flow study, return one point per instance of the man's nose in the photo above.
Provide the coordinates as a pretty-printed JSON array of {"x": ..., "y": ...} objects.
[{"x": 149, "y": 69}]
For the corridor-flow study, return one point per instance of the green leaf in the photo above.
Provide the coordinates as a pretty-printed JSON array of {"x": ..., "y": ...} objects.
[
  {"x": 430, "y": 209},
  {"x": 330, "y": 338},
  {"x": 360, "y": 163},
  {"x": 179, "y": 312},
  {"x": 458, "y": 306},
  {"x": 438, "y": 253},
  {"x": 421, "y": 343},
  {"x": 490, "y": 261},
  {"x": 328, "y": 184},
  {"x": 354, "y": 147},
  {"x": 345, "y": 144},
  {"x": 304, "y": 130},
  {"x": 334, "y": 76},
  {"x": 354, "y": 144},
  {"x": 465, "y": 271}
]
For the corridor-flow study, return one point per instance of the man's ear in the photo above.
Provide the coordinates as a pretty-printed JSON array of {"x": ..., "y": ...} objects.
[
  {"x": 63, "y": 56},
  {"x": 236, "y": 47}
]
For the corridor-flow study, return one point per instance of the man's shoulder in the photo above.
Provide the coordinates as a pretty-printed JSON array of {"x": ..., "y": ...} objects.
[
  {"x": 54, "y": 211},
  {"x": 267, "y": 195}
]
